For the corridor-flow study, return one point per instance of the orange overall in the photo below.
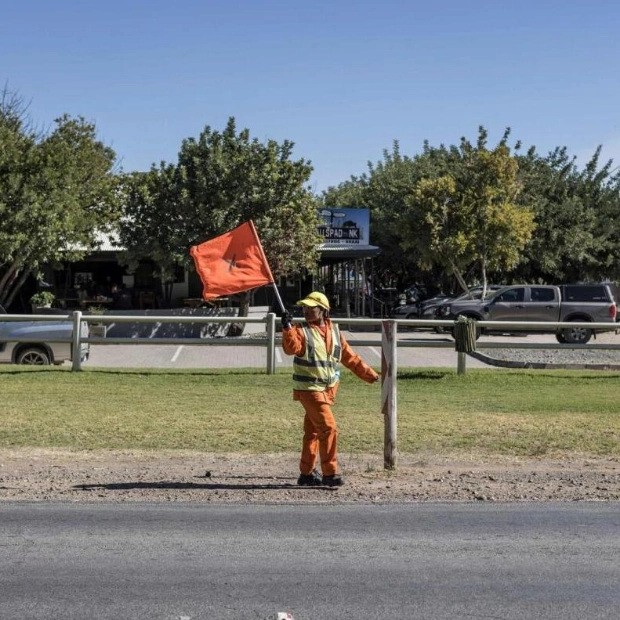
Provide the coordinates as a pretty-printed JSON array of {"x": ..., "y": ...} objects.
[{"x": 320, "y": 429}]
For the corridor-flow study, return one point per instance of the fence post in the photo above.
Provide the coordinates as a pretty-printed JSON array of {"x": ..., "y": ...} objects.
[
  {"x": 464, "y": 341},
  {"x": 388, "y": 392},
  {"x": 76, "y": 342},
  {"x": 271, "y": 343}
]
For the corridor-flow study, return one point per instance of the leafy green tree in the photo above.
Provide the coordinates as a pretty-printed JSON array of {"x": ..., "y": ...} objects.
[
  {"x": 387, "y": 184},
  {"x": 221, "y": 180},
  {"x": 56, "y": 190},
  {"x": 469, "y": 214},
  {"x": 605, "y": 198},
  {"x": 576, "y": 211},
  {"x": 468, "y": 210}
]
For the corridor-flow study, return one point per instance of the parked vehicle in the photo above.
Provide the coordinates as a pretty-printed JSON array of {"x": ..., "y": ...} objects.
[
  {"x": 406, "y": 311},
  {"x": 40, "y": 351},
  {"x": 474, "y": 293},
  {"x": 591, "y": 303},
  {"x": 430, "y": 309},
  {"x": 420, "y": 309}
]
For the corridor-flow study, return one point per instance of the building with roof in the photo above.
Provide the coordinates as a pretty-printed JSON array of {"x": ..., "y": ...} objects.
[{"x": 344, "y": 271}]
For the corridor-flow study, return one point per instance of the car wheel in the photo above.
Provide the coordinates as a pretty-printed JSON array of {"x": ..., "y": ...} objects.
[
  {"x": 33, "y": 356},
  {"x": 577, "y": 335},
  {"x": 560, "y": 337}
]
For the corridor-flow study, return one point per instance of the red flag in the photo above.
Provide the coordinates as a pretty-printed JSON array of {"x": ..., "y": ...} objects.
[{"x": 231, "y": 263}]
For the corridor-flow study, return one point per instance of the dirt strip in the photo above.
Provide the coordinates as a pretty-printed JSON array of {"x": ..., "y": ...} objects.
[{"x": 120, "y": 476}]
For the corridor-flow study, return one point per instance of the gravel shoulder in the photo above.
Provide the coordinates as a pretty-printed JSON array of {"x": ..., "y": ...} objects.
[
  {"x": 118, "y": 476},
  {"x": 561, "y": 356}
]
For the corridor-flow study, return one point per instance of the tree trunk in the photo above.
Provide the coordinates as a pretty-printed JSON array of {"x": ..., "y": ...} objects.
[
  {"x": 483, "y": 269},
  {"x": 244, "y": 303},
  {"x": 11, "y": 284},
  {"x": 17, "y": 286},
  {"x": 458, "y": 276},
  {"x": 167, "y": 291},
  {"x": 236, "y": 329},
  {"x": 7, "y": 280}
]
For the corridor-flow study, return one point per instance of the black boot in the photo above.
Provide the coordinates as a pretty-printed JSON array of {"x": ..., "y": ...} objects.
[
  {"x": 333, "y": 481},
  {"x": 309, "y": 480}
]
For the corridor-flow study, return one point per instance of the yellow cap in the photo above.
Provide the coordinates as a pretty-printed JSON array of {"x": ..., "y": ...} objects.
[{"x": 315, "y": 299}]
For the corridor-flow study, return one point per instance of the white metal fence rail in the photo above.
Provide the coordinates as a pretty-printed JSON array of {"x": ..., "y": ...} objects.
[{"x": 269, "y": 339}]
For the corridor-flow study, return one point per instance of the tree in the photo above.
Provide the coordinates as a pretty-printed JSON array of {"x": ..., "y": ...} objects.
[
  {"x": 387, "y": 184},
  {"x": 406, "y": 175},
  {"x": 576, "y": 212},
  {"x": 222, "y": 179},
  {"x": 470, "y": 214},
  {"x": 467, "y": 209},
  {"x": 56, "y": 190}
]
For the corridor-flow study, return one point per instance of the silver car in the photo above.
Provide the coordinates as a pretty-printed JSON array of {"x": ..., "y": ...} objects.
[{"x": 38, "y": 351}]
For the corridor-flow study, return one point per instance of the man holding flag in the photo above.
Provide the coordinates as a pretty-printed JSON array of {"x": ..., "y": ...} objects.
[
  {"x": 235, "y": 262},
  {"x": 318, "y": 347}
]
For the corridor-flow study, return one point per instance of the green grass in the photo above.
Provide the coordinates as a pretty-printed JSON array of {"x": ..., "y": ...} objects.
[{"x": 495, "y": 412}]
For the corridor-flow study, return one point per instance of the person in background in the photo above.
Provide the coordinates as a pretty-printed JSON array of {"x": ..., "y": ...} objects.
[
  {"x": 105, "y": 289},
  {"x": 318, "y": 347},
  {"x": 121, "y": 299}
]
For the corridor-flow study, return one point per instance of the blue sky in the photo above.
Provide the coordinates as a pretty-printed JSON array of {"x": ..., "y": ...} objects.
[{"x": 342, "y": 79}]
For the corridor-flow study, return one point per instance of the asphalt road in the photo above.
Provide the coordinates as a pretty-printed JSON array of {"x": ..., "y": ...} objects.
[{"x": 426, "y": 561}]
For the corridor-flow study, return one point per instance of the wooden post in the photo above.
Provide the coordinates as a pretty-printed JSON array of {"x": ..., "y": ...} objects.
[
  {"x": 388, "y": 392},
  {"x": 271, "y": 343},
  {"x": 464, "y": 341}
]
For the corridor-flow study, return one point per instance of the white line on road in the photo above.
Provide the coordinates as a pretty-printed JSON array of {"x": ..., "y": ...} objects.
[
  {"x": 376, "y": 351},
  {"x": 177, "y": 353},
  {"x": 278, "y": 356}
]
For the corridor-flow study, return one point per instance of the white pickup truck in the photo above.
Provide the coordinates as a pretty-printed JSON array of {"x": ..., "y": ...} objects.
[
  {"x": 38, "y": 351},
  {"x": 583, "y": 303}
]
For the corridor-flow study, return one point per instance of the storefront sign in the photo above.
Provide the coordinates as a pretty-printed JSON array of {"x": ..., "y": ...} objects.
[{"x": 345, "y": 226}]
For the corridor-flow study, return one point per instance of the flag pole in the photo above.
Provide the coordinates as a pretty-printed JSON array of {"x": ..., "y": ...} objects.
[
  {"x": 266, "y": 262},
  {"x": 275, "y": 288}
]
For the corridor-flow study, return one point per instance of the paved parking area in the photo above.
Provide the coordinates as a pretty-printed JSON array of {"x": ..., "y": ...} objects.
[{"x": 430, "y": 350}]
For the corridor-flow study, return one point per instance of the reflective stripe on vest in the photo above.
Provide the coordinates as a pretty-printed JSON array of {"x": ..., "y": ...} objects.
[{"x": 317, "y": 369}]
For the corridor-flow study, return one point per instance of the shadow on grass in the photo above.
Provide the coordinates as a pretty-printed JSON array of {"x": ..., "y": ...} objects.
[
  {"x": 560, "y": 374},
  {"x": 188, "y": 372},
  {"x": 176, "y": 371},
  {"x": 424, "y": 374}
]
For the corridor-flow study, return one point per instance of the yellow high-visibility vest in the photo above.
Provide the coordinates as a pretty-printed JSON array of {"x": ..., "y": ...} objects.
[{"x": 317, "y": 369}]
